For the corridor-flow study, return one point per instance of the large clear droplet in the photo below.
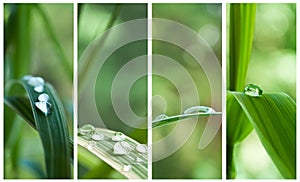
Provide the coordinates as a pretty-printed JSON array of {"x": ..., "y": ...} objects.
[
  {"x": 118, "y": 137},
  {"x": 253, "y": 90},
  {"x": 142, "y": 148},
  {"x": 39, "y": 89},
  {"x": 98, "y": 136},
  {"x": 45, "y": 107},
  {"x": 160, "y": 117},
  {"x": 198, "y": 109},
  {"x": 126, "y": 168},
  {"x": 36, "y": 81},
  {"x": 87, "y": 129},
  {"x": 43, "y": 97},
  {"x": 122, "y": 148}
]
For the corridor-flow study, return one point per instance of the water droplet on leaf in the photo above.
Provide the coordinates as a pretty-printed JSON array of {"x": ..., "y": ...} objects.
[
  {"x": 118, "y": 137},
  {"x": 198, "y": 109},
  {"x": 122, "y": 148},
  {"x": 39, "y": 89},
  {"x": 161, "y": 116},
  {"x": 43, "y": 97},
  {"x": 87, "y": 130},
  {"x": 36, "y": 81},
  {"x": 91, "y": 145},
  {"x": 45, "y": 107},
  {"x": 126, "y": 168},
  {"x": 142, "y": 148},
  {"x": 138, "y": 159},
  {"x": 253, "y": 90},
  {"x": 98, "y": 136}
]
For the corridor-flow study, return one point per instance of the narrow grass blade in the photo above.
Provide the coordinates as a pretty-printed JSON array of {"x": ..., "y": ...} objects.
[
  {"x": 53, "y": 38},
  {"x": 103, "y": 149},
  {"x": 273, "y": 117},
  {"x": 52, "y": 129},
  {"x": 177, "y": 118},
  {"x": 242, "y": 21}
]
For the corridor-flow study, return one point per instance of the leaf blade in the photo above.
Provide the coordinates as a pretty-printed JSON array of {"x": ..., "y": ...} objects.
[
  {"x": 52, "y": 128},
  {"x": 273, "y": 116},
  {"x": 104, "y": 150}
]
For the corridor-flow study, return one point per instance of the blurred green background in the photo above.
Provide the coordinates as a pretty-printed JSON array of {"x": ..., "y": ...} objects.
[
  {"x": 38, "y": 40},
  {"x": 189, "y": 162},
  {"x": 93, "y": 20},
  {"x": 273, "y": 67}
]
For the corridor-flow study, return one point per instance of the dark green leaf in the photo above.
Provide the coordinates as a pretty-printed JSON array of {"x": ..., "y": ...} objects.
[{"x": 52, "y": 129}]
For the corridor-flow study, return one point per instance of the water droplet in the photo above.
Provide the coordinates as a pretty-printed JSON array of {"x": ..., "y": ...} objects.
[
  {"x": 122, "y": 148},
  {"x": 198, "y": 109},
  {"x": 142, "y": 148},
  {"x": 138, "y": 159},
  {"x": 36, "y": 81},
  {"x": 43, "y": 97},
  {"x": 126, "y": 168},
  {"x": 253, "y": 90},
  {"x": 87, "y": 130},
  {"x": 91, "y": 145},
  {"x": 27, "y": 77},
  {"x": 98, "y": 136},
  {"x": 161, "y": 116},
  {"x": 118, "y": 137},
  {"x": 39, "y": 89},
  {"x": 45, "y": 107}
]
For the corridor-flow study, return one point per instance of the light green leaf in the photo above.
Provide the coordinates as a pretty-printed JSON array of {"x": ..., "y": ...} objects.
[
  {"x": 103, "y": 149},
  {"x": 242, "y": 21},
  {"x": 52, "y": 128},
  {"x": 273, "y": 116}
]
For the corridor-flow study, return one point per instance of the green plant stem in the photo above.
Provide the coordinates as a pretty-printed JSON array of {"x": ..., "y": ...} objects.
[
  {"x": 231, "y": 170},
  {"x": 242, "y": 22}
]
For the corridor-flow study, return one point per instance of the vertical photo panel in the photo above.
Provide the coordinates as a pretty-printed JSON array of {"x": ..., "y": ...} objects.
[
  {"x": 112, "y": 91},
  {"x": 186, "y": 91},
  {"x": 38, "y": 86},
  {"x": 261, "y": 91}
]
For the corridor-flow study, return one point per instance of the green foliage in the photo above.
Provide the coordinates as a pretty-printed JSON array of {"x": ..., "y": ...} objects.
[
  {"x": 35, "y": 42},
  {"x": 272, "y": 115}
]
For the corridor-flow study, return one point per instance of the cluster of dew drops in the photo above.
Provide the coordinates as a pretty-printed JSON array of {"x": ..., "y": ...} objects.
[
  {"x": 43, "y": 103},
  {"x": 121, "y": 147}
]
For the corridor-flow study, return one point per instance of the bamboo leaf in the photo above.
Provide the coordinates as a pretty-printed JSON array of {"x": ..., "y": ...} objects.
[
  {"x": 177, "y": 118},
  {"x": 103, "y": 149},
  {"x": 273, "y": 116},
  {"x": 52, "y": 128},
  {"x": 242, "y": 21}
]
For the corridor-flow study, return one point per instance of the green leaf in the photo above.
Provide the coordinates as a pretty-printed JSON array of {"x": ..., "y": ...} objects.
[
  {"x": 177, "y": 118},
  {"x": 242, "y": 21},
  {"x": 103, "y": 149},
  {"x": 52, "y": 128},
  {"x": 273, "y": 116},
  {"x": 21, "y": 105}
]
